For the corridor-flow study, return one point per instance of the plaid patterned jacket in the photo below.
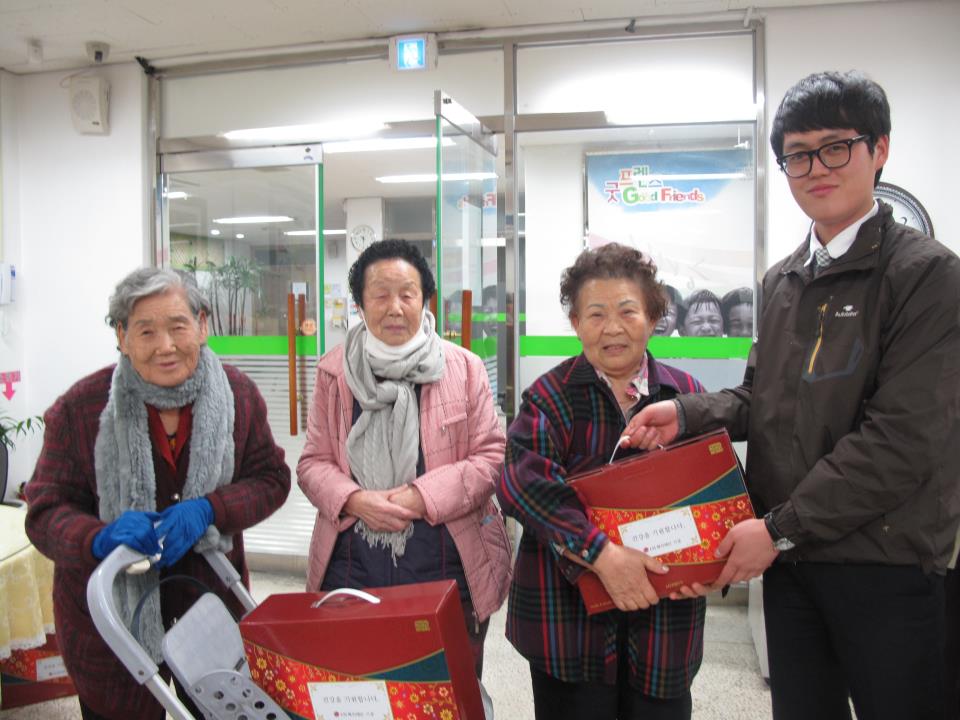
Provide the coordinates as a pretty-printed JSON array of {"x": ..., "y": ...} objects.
[
  {"x": 569, "y": 422},
  {"x": 62, "y": 521}
]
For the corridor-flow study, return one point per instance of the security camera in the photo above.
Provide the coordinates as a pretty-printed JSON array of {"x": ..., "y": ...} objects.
[{"x": 98, "y": 52}]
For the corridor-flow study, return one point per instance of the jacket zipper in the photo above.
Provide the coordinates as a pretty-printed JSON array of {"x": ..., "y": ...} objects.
[{"x": 819, "y": 343}]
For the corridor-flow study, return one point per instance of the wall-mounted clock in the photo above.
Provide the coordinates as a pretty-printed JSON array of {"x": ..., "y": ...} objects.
[
  {"x": 362, "y": 237},
  {"x": 906, "y": 208}
]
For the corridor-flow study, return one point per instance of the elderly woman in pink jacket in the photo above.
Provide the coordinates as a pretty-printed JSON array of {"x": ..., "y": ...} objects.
[{"x": 404, "y": 450}]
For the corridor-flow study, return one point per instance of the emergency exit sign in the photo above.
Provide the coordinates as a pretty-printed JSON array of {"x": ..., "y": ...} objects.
[{"x": 413, "y": 52}]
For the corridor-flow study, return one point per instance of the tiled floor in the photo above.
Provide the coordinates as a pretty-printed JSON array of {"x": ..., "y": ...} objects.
[{"x": 728, "y": 687}]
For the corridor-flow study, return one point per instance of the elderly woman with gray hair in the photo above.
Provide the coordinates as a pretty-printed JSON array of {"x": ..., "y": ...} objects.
[
  {"x": 166, "y": 451},
  {"x": 403, "y": 450}
]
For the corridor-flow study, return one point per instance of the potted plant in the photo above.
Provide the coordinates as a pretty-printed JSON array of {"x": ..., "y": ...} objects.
[{"x": 10, "y": 431}]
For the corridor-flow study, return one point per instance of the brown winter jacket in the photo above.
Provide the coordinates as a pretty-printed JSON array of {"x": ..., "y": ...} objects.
[{"x": 850, "y": 401}]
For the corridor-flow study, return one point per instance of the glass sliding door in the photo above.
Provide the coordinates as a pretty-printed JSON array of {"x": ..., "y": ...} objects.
[
  {"x": 470, "y": 303},
  {"x": 249, "y": 236},
  {"x": 245, "y": 223}
]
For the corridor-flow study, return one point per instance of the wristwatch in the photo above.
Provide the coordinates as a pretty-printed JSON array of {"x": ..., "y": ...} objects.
[{"x": 780, "y": 543}]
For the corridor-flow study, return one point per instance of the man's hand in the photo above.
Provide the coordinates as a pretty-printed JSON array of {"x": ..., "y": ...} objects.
[
  {"x": 623, "y": 572},
  {"x": 749, "y": 550},
  {"x": 409, "y": 497},
  {"x": 377, "y": 511},
  {"x": 655, "y": 425}
]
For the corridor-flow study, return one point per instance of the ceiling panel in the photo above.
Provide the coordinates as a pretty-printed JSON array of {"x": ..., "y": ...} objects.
[{"x": 178, "y": 28}]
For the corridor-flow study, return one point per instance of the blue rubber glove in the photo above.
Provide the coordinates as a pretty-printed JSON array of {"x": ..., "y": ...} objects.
[
  {"x": 181, "y": 525},
  {"x": 133, "y": 529}
]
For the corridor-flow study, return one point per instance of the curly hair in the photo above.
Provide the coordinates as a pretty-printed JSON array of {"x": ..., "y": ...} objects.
[
  {"x": 390, "y": 250},
  {"x": 614, "y": 262}
]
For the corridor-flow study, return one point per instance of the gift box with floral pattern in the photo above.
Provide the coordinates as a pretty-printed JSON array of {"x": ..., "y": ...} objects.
[
  {"x": 675, "y": 504},
  {"x": 326, "y": 656}
]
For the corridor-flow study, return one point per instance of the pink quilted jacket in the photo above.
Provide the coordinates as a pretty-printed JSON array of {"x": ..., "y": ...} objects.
[{"x": 463, "y": 450}]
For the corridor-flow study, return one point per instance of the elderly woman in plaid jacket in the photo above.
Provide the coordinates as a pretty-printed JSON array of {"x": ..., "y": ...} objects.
[
  {"x": 167, "y": 451},
  {"x": 637, "y": 661}
]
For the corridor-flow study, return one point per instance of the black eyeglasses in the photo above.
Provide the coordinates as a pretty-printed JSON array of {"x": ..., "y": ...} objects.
[{"x": 833, "y": 155}]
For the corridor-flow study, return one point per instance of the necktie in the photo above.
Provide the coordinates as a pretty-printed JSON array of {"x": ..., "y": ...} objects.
[{"x": 821, "y": 259}]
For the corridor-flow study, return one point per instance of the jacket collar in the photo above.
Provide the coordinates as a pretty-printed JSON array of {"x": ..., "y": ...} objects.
[
  {"x": 863, "y": 254},
  {"x": 582, "y": 373}
]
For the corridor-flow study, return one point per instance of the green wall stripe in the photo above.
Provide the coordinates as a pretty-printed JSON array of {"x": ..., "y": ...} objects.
[
  {"x": 485, "y": 348},
  {"x": 260, "y": 345},
  {"x": 661, "y": 347},
  {"x": 530, "y": 346}
]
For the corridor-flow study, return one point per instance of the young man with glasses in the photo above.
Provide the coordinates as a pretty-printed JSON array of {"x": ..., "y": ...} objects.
[{"x": 850, "y": 407}]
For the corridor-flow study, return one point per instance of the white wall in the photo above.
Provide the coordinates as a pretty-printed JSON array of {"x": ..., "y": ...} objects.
[
  {"x": 913, "y": 50},
  {"x": 11, "y": 316},
  {"x": 75, "y": 220}
]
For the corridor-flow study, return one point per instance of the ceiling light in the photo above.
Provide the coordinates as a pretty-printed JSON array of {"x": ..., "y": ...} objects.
[
  {"x": 312, "y": 132},
  {"x": 297, "y": 233},
  {"x": 240, "y": 236},
  {"x": 431, "y": 177},
  {"x": 214, "y": 231},
  {"x": 382, "y": 144},
  {"x": 252, "y": 219},
  {"x": 176, "y": 195}
]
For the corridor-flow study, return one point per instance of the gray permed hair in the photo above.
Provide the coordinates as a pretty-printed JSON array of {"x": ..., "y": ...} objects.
[{"x": 153, "y": 281}]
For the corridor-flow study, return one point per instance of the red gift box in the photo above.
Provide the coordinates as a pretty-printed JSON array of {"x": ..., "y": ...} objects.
[
  {"x": 406, "y": 658},
  {"x": 33, "y": 676},
  {"x": 699, "y": 478}
]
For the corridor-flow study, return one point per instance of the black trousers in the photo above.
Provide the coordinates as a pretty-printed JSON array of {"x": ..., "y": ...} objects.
[
  {"x": 557, "y": 700},
  {"x": 952, "y": 651},
  {"x": 870, "y": 633}
]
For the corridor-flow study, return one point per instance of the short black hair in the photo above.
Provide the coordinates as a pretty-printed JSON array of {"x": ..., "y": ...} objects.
[
  {"x": 740, "y": 296},
  {"x": 673, "y": 295},
  {"x": 696, "y": 299},
  {"x": 390, "y": 250},
  {"x": 829, "y": 100}
]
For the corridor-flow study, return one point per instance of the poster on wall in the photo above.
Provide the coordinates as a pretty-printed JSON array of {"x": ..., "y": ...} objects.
[{"x": 692, "y": 212}]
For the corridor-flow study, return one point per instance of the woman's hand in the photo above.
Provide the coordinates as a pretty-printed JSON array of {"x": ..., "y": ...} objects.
[
  {"x": 623, "y": 572},
  {"x": 134, "y": 529},
  {"x": 181, "y": 526},
  {"x": 409, "y": 497},
  {"x": 379, "y": 513},
  {"x": 654, "y": 425}
]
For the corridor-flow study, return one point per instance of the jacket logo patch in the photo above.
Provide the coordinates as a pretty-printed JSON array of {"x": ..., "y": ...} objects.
[{"x": 847, "y": 311}]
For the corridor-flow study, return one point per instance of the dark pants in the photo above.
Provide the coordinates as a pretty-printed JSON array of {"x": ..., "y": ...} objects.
[
  {"x": 557, "y": 700},
  {"x": 873, "y": 633},
  {"x": 554, "y": 699},
  {"x": 952, "y": 637}
]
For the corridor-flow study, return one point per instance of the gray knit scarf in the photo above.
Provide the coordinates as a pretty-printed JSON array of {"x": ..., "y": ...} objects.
[
  {"x": 383, "y": 445},
  {"x": 123, "y": 458}
]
